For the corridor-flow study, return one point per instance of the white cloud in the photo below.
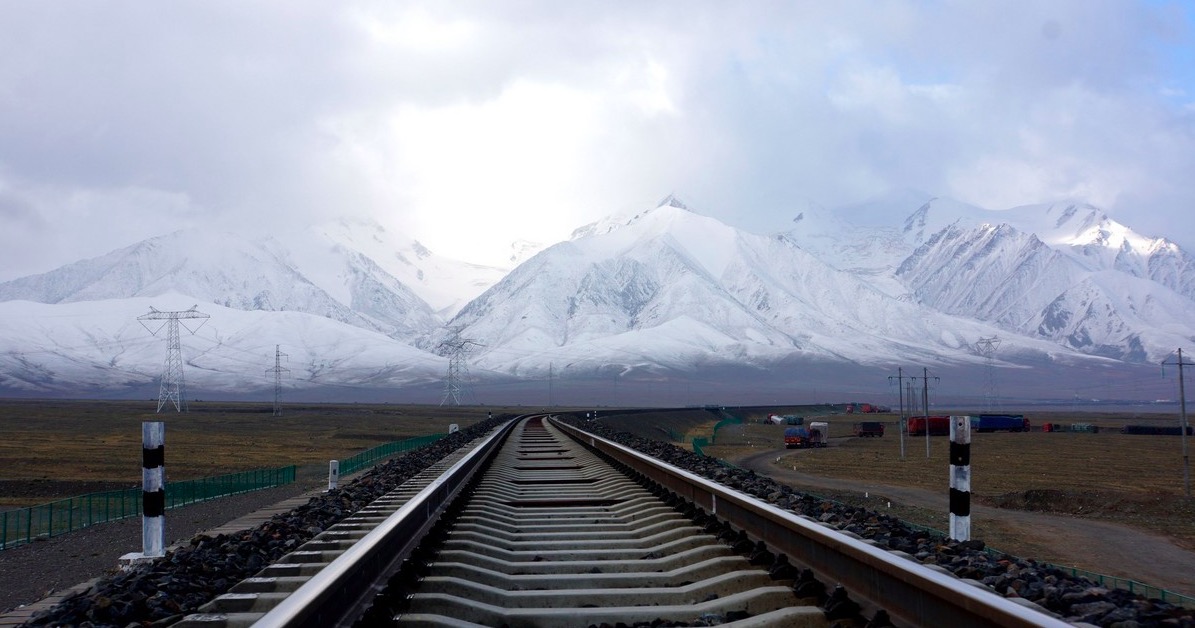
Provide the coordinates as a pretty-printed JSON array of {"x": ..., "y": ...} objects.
[{"x": 472, "y": 124}]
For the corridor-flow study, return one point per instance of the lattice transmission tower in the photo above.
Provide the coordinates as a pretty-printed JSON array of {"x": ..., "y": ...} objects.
[
  {"x": 278, "y": 370},
  {"x": 456, "y": 384},
  {"x": 173, "y": 388},
  {"x": 986, "y": 347}
]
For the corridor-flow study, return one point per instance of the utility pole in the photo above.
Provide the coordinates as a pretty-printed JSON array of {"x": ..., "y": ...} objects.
[
  {"x": 278, "y": 370},
  {"x": 551, "y": 374},
  {"x": 900, "y": 387},
  {"x": 1182, "y": 398},
  {"x": 173, "y": 388},
  {"x": 925, "y": 402}
]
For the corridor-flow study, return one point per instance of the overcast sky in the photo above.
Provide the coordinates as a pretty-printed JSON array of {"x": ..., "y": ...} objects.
[{"x": 471, "y": 124}]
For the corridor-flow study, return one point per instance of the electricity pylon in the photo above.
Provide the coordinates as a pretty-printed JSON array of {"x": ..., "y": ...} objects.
[
  {"x": 456, "y": 385},
  {"x": 278, "y": 370},
  {"x": 173, "y": 388},
  {"x": 986, "y": 347}
]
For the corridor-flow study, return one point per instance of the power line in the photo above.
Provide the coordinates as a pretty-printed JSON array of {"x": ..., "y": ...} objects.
[{"x": 173, "y": 388}]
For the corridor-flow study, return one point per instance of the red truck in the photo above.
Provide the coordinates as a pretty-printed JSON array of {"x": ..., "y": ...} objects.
[
  {"x": 803, "y": 437},
  {"x": 938, "y": 425}
]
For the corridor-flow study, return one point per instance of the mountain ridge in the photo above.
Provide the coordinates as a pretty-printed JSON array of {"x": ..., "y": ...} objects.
[{"x": 909, "y": 277}]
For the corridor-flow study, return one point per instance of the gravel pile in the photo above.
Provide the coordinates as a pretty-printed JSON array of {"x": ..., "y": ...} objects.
[
  {"x": 1076, "y": 599},
  {"x": 165, "y": 590}
]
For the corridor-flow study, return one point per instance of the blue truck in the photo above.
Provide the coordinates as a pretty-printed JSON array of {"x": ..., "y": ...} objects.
[{"x": 1000, "y": 423}]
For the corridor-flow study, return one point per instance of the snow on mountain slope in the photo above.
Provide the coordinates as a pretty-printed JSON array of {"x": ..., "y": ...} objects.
[
  {"x": 904, "y": 278},
  {"x": 992, "y": 273},
  {"x": 687, "y": 289},
  {"x": 235, "y": 272},
  {"x": 1008, "y": 266},
  {"x": 74, "y": 346},
  {"x": 876, "y": 236},
  {"x": 1000, "y": 274},
  {"x": 445, "y": 284},
  {"x": 1099, "y": 243},
  {"x": 1109, "y": 314}
]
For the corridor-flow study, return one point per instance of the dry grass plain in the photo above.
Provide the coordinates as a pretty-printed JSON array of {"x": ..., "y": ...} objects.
[
  {"x": 51, "y": 449},
  {"x": 56, "y": 449},
  {"x": 1131, "y": 479}
]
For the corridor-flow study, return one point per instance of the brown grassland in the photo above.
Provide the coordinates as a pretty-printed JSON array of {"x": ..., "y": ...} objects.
[
  {"x": 50, "y": 449},
  {"x": 1131, "y": 479},
  {"x": 1048, "y": 495},
  {"x": 56, "y": 449}
]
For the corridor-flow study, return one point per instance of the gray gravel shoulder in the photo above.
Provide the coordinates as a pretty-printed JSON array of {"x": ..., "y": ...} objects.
[
  {"x": 29, "y": 573},
  {"x": 1115, "y": 549}
]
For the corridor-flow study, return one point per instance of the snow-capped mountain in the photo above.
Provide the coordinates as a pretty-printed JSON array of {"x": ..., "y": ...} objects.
[
  {"x": 902, "y": 279},
  {"x": 99, "y": 345},
  {"x": 228, "y": 270},
  {"x": 1063, "y": 272},
  {"x": 445, "y": 284},
  {"x": 671, "y": 288}
]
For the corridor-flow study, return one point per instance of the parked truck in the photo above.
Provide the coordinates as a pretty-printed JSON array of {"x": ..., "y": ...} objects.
[
  {"x": 938, "y": 425},
  {"x": 869, "y": 428},
  {"x": 796, "y": 437},
  {"x": 819, "y": 431},
  {"x": 804, "y": 437},
  {"x": 1000, "y": 422}
]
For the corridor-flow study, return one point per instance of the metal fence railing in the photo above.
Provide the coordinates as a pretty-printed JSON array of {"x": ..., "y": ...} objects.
[
  {"x": 23, "y": 525},
  {"x": 371, "y": 456}
]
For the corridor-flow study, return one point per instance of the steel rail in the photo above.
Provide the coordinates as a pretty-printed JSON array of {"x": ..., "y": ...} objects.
[
  {"x": 343, "y": 589},
  {"x": 912, "y": 593}
]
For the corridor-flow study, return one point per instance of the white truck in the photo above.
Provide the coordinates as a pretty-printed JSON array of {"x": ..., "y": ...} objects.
[{"x": 819, "y": 431}]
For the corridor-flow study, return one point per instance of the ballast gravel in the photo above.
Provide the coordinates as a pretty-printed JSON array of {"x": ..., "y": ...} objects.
[
  {"x": 1076, "y": 599},
  {"x": 163, "y": 591}
]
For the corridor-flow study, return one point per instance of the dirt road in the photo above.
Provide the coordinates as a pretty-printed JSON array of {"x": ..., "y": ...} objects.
[{"x": 1097, "y": 546}]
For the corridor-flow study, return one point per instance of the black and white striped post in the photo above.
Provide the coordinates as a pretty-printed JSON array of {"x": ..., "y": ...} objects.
[
  {"x": 333, "y": 474},
  {"x": 153, "y": 489},
  {"x": 960, "y": 478}
]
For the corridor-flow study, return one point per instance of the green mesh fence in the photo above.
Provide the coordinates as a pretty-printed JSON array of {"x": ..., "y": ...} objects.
[
  {"x": 370, "y": 457},
  {"x": 729, "y": 420},
  {"x": 23, "y": 525},
  {"x": 1132, "y": 586}
]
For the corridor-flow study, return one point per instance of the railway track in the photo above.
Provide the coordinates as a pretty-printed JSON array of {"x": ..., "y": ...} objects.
[
  {"x": 554, "y": 536},
  {"x": 557, "y": 527}
]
